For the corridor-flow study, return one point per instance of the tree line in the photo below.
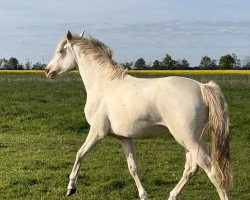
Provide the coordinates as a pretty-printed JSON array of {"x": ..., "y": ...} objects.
[
  {"x": 14, "y": 64},
  {"x": 228, "y": 61}
]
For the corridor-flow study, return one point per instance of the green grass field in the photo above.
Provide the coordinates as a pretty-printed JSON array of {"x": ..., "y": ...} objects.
[{"x": 42, "y": 125}]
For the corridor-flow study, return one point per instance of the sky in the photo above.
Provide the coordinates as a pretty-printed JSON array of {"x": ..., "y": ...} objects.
[{"x": 190, "y": 29}]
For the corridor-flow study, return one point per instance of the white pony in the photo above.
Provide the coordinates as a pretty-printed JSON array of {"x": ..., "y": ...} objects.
[{"x": 185, "y": 107}]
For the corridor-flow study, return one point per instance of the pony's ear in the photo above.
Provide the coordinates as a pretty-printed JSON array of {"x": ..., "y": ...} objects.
[
  {"x": 69, "y": 36},
  {"x": 81, "y": 34}
]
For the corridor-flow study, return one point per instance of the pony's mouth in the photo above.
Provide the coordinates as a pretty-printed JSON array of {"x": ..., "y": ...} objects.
[{"x": 50, "y": 74}]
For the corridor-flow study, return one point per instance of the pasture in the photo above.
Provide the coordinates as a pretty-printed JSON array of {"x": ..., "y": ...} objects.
[{"x": 42, "y": 125}]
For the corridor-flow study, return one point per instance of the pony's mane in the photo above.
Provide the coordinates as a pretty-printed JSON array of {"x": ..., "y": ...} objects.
[{"x": 99, "y": 52}]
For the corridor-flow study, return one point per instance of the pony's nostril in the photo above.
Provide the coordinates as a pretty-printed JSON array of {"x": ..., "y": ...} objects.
[{"x": 46, "y": 71}]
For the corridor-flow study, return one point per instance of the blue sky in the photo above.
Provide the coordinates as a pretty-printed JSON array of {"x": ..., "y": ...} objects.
[{"x": 30, "y": 29}]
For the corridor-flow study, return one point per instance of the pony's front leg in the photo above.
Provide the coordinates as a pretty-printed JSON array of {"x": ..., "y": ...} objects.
[
  {"x": 129, "y": 150},
  {"x": 92, "y": 139}
]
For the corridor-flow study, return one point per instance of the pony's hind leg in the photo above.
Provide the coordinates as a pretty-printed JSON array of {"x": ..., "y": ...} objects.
[
  {"x": 205, "y": 163},
  {"x": 129, "y": 150},
  {"x": 190, "y": 169}
]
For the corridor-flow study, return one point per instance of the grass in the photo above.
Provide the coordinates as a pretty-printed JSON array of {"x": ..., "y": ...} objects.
[{"x": 42, "y": 125}]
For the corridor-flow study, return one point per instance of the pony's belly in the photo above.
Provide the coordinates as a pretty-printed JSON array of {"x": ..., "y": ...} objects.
[{"x": 140, "y": 130}]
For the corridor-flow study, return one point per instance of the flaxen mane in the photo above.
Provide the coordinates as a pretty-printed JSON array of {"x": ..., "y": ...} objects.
[{"x": 99, "y": 52}]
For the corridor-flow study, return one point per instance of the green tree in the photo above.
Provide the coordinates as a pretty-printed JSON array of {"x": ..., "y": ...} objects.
[
  {"x": 156, "y": 65},
  {"x": 28, "y": 65},
  {"x": 38, "y": 66},
  {"x": 12, "y": 63},
  {"x": 207, "y": 63},
  {"x": 237, "y": 61},
  {"x": 140, "y": 64},
  {"x": 168, "y": 62},
  {"x": 182, "y": 64},
  {"x": 128, "y": 65},
  {"x": 20, "y": 67},
  {"x": 227, "y": 62},
  {"x": 3, "y": 63},
  {"x": 246, "y": 63}
]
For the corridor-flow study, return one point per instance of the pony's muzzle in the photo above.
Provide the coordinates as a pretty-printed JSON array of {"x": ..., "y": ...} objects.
[
  {"x": 50, "y": 73},
  {"x": 47, "y": 71}
]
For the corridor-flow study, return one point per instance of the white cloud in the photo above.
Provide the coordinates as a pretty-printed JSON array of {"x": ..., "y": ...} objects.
[{"x": 143, "y": 28}]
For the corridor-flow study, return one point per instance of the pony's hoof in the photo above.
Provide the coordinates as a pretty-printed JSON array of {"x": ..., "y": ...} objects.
[{"x": 71, "y": 191}]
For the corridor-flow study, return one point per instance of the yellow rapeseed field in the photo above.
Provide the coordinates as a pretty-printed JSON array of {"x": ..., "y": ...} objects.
[
  {"x": 191, "y": 71},
  {"x": 151, "y": 71},
  {"x": 22, "y": 71}
]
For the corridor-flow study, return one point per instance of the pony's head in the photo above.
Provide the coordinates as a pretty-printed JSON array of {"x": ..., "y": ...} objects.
[{"x": 64, "y": 59}]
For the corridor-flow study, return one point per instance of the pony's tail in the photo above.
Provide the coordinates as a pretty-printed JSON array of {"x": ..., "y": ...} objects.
[{"x": 218, "y": 123}]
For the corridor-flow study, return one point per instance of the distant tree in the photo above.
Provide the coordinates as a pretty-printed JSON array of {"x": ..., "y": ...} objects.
[
  {"x": 3, "y": 63},
  {"x": 182, "y": 64},
  {"x": 227, "y": 62},
  {"x": 20, "y": 67},
  {"x": 237, "y": 61},
  {"x": 168, "y": 62},
  {"x": 12, "y": 63},
  {"x": 207, "y": 63},
  {"x": 128, "y": 65},
  {"x": 28, "y": 65},
  {"x": 156, "y": 65},
  {"x": 246, "y": 63},
  {"x": 140, "y": 64},
  {"x": 213, "y": 64},
  {"x": 38, "y": 66}
]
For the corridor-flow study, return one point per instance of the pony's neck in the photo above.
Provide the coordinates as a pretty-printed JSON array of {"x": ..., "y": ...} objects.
[{"x": 93, "y": 75}]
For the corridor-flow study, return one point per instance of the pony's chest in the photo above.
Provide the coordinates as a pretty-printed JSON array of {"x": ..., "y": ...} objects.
[{"x": 93, "y": 109}]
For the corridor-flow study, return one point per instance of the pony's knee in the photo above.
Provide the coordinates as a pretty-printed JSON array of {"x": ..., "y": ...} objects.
[
  {"x": 190, "y": 171},
  {"x": 79, "y": 156},
  {"x": 191, "y": 167},
  {"x": 133, "y": 170},
  {"x": 132, "y": 166},
  {"x": 195, "y": 168}
]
